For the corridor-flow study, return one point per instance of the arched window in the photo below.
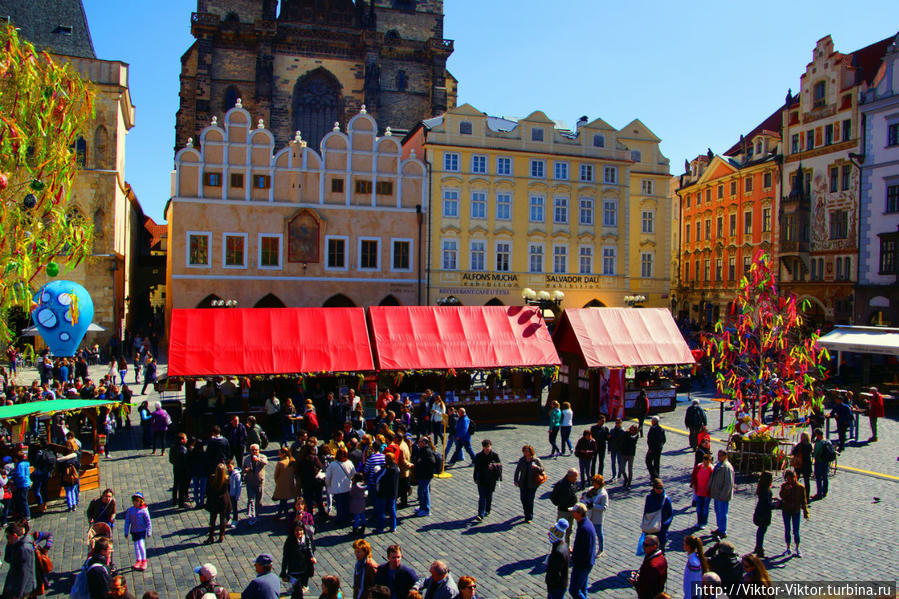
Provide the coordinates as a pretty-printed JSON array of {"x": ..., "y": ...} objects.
[
  {"x": 599, "y": 141},
  {"x": 101, "y": 144},
  {"x": 231, "y": 96},
  {"x": 232, "y": 18},
  {"x": 401, "y": 81},
  {"x": 269, "y": 301},
  {"x": 81, "y": 151},
  {"x": 392, "y": 36},
  {"x": 317, "y": 105},
  {"x": 338, "y": 301}
]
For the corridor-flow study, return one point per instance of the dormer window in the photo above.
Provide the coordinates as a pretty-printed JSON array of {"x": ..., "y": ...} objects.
[
  {"x": 599, "y": 141},
  {"x": 758, "y": 148},
  {"x": 819, "y": 94},
  {"x": 536, "y": 134},
  {"x": 465, "y": 128}
]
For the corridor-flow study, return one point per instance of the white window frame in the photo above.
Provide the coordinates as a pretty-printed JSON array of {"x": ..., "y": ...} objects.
[
  {"x": 483, "y": 252},
  {"x": 359, "y": 267},
  {"x": 610, "y": 175},
  {"x": 501, "y": 171},
  {"x": 482, "y": 158},
  {"x": 499, "y": 215},
  {"x": 443, "y": 251},
  {"x": 557, "y": 255},
  {"x": 560, "y": 203},
  {"x": 280, "y": 237},
  {"x": 586, "y": 206},
  {"x": 538, "y": 164},
  {"x": 644, "y": 262},
  {"x": 449, "y": 157},
  {"x": 208, "y": 235},
  {"x": 613, "y": 260},
  {"x": 561, "y": 170},
  {"x": 246, "y": 248},
  {"x": 648, "y": 217},
  {"x": 532, "y": 254},
  {"x": 581, "y": 256},
  {"x": 588, "y": 173},
  {"x": 457, "y": 200},
  {"x": 483, "y": 194},
  {"x": 508, "y": 255},
  {"x": 346, "y": 252},
  {"x": 614, "y": 204},
  {"x": 411, "y": 242},
  {"x": 532, "y": 205},
  {"x": 646, "y": 186}
]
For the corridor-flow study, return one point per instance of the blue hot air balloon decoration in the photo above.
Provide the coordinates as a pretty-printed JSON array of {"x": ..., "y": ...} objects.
[{"x": 63, "y": 312}]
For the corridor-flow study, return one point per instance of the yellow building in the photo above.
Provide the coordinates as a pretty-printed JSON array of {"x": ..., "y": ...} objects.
[
  {"x": 298, "y": 228},
  {"x": 527, "y": 204}
]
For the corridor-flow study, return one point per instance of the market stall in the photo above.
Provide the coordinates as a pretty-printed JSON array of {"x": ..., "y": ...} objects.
[
  {"x": 610, "y": 355},
  {"x": 25, "y": 422},
  {"x": 232, "y": 360},
  {"x": 493, "y": 360}
]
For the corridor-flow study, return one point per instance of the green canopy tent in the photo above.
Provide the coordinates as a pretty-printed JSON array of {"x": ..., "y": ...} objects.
[{"x": 50, "y": 407}]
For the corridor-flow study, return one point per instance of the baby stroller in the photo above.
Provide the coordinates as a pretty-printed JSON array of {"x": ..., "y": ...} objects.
[{"x": 97, "y": 530}]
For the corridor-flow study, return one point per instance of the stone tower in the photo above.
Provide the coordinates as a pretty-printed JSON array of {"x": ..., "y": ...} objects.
[{"x": 308, "y": 64}]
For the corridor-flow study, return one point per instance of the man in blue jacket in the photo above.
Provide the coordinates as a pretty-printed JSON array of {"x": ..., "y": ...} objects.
[
  {"x": 843, "y": 415},
  {"x": 583, "y": 553},
  {"x": 394, "y": 575},
  {"x": 463, "y": 437},
  {"x": 21, "y": 477}
]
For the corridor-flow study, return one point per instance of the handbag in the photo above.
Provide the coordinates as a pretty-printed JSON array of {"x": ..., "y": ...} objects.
[
  {"x": 640, "y": 550},
  {"x": 652, "y": 522},
  {"x": 540, "y": 477},
  {"x": 796, "y": 462}
]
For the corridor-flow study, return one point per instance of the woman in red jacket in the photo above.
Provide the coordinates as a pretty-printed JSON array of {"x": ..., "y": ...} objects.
[{"x": 875, "y": 411}]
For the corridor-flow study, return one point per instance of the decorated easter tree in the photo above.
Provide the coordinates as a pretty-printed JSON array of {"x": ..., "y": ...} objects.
[
  {"x": 43, "y": 107},
  {"x": 762, "y": 355}
]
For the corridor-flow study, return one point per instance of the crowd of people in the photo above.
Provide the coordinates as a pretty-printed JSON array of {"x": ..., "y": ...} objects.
[{"x": 359, "y": 474}]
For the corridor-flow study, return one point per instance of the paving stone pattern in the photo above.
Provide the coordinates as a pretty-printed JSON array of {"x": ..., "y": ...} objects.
[{"x": 848, "y": 536}]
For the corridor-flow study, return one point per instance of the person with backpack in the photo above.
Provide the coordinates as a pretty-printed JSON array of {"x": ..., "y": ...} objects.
[
  {"x": 842, "y": 413},
  {"x": 824, "y": 453},
  {"x": 70, "y": 481},
  {"x": 387, "y": 486},
  {"x": 180, "y": 471},
  {"x": 19, "y": 554},
  {"x": 139, "y": 526},
  {"x": 529, "y": 475},
  {"x": 426, "y": 465},
  {"x": 464, "y": 429},
  {"x": 585, "y": 450},
  {"x": 93, "y": 580},
  {"x": 488, "y": 470},
  {"x": 208, "y": 584},
  {"x": 44, "y": 464},
  {"x": 694, "y": 420},
  {"x": 21, "y": 478},
  {"x": 564, "y": 496}
]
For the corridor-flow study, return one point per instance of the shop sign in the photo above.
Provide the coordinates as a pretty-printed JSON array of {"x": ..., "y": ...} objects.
[
  {"x": 572, "y": 281},
  {"x": 489, "y": 279}
]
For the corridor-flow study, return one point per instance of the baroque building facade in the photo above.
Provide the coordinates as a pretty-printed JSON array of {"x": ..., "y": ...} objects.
[
  {"x": 306, "y": 64},
  {"x": 877, "y": 293},
  {"x": 821, "y": 129},
  {"x": 524, "y": 203},
  {"x": 100, "y": 194},
  {"x": 728, "y": 213},
  {"x": 295, "y": 228}
]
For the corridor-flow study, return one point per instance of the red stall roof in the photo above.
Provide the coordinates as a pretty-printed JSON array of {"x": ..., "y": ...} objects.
[
  {"x": 440, "y": 337},
  {"x": 237, "y": 341},
  {"x": 614, "y": 337}
]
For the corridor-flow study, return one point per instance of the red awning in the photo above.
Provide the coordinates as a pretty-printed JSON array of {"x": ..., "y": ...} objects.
[
  {"x": 614, "y": 337},
  {"x": 238, "y": 341},
  {"x": 442, "y": 337}
]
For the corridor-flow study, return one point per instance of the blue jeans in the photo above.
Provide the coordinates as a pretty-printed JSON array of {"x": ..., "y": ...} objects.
[
  {"x": 460, "y": 445},
  {"x": 359, "y": 520},
  {"x": 577, "y": 583},
  {"x": 702, "y": 510},
  {"x": 424, "y": 496},
  {"x": 721, "y": 508},
  {"x": 39, "y": 483},
  {"x": 485, "y": 499},
  {"x": 600, "y": 537},
  {"x": 527, "y": 501},
  {"x": 566, "y": 439},
  {"x": 448, "y": 450},
  {"x": 555, "y": 593},
  {"x": 760, "y": 538},
  {"x": 614, "y": 457},
  {"x": 235, "y": 508},
  {"x": 20, "y": 502},
  {"x": 342, "y": 503},
  {"x": 71, "y": 501},
  {"x": 199, "y": 484},
  {"x": 822, "y": 481},
  {"x": 388, "y": 505},
  {"x": 791, "y": 519}
]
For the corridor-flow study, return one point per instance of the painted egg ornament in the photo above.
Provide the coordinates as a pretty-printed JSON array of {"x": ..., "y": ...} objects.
[
  {"x": 4, "y": 181},
  {"x": 63, "y": 312},
  {"x": 37, "y": 184},
  {"x": 30, "y": 201},
  {"x": 52, "y": 269}
]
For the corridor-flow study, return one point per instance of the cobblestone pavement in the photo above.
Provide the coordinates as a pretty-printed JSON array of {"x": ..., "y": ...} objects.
[{"x": 840, "y": 541}]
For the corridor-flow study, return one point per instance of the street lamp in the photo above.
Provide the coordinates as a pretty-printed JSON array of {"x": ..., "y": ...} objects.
[
  {"x": 219, "y": 303},
  {"x": 450, "y": 300},
  {"x": 543, "y": 299},
  {"x": 634, "y": 301}
]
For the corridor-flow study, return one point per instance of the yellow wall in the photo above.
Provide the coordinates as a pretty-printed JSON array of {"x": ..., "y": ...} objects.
[{"x": 506, "y": 139}]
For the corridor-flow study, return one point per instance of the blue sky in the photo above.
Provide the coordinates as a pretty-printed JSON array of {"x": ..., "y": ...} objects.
[{"x": 698, "y": 74}]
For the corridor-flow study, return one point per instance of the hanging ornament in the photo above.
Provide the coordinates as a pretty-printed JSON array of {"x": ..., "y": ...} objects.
[
  {"x": 37, "y": 185},
  {"x": 30, "y": 201},
  {"x": 4, "y": 181},
  {"x": 52, "y": 269}
]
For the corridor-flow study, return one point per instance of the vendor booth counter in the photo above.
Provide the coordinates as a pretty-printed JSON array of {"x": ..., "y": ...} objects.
[{"x": 609, "y": 355}]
